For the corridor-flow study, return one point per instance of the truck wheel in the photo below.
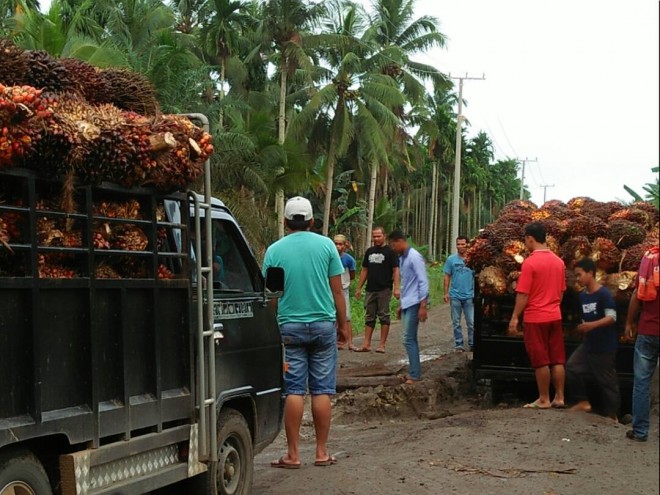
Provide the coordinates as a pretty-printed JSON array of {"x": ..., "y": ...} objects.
[
  {"x": 21, "y": 473},
  {"x": 235, "y": 454}
]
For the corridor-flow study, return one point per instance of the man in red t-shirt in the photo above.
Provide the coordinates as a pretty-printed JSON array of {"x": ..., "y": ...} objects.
[
  {"x": 539, "y": 291},
  {"x": 647, "y": 345}
]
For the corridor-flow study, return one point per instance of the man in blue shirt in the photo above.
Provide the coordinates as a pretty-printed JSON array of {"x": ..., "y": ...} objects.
[
  {"x": 596, "y": 356},
  {"x": 309, "y": 313},
  {"x": 459, "y": 288},
  {"x": 414, "y": 297},
  {"x": 346, "y": 342}
]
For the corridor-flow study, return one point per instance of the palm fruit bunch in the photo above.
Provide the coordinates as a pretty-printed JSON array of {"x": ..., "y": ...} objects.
[
  {"x": 4, "y": 234},
  {"x": 13, "y": 65},
  {"x": 605, "y": 254},
  {"x": 575, "y": 249},
  {"x": 635, "y": 215},
  {"x": 129, "y": 209},
  {"x": 23, "y": 115},
  {"x": 164, "y": 273},
  {"x": 104, "y": 270},
  {"x": 492, "y": 281},
  {"x": 46, "y": 72},
  {"x": 127, "y": 90},
  {"x": 88, "y": 80},
  {"x": 49, "y": 268},
  {"x": 613, "y": 235},
  {"x": 129, "y": 238},
  {"x": 624, "y": 233}
]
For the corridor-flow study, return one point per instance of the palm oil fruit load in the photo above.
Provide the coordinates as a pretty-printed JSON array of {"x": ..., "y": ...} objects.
[
  {"x": 66, "y": 116},
  {"x": 81, "y": 125},
  {"x": 615, "y": 236}
]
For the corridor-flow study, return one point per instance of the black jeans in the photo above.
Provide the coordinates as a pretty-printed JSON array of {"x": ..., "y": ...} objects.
[{"x": 601, "y": 368}]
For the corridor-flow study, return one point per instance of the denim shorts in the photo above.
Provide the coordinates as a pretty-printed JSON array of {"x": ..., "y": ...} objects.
[{"x": 310, "y": 349}]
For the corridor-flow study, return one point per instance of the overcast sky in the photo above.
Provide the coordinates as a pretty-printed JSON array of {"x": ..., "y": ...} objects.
[{"x": 572, "y": 83}]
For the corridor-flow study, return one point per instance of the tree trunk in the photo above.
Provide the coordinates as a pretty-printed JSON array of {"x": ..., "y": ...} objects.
[
  {"x": 223, "y": 77},
  {"x": 281, "y": 129},
  {"x": 433, "y": 211},
  {"x": 330, "y": 174},
  {"x": 371, "y": 204}
]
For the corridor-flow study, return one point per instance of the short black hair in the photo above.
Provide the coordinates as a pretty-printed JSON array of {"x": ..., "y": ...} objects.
[
  {"x": 298, "y": 224},
  {"x": 462, "y": 238},
  {"x": 587, "y": 264},
  {"x": 397, "y": 235},
  {"x": 382, "y": 229},
  {"x": 535, "y": 230}
]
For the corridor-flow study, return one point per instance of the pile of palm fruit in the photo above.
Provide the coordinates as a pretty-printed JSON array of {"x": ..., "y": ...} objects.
[
  {"x": 69, "y": 120},
  {"x": 67, "y": 117},
  {"x": 614, "y": 235}
]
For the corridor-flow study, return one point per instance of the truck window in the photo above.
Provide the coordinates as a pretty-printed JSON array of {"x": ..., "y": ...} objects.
[{"x": 229, "y": 263}]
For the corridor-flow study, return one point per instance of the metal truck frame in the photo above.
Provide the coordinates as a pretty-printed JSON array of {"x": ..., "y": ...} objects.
[{"x": 129, "y": 385}]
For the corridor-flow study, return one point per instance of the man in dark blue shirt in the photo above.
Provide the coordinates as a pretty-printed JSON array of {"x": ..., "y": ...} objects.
[{"x": 596, "y": 356}]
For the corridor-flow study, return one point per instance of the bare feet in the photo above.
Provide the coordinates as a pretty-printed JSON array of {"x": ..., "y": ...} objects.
[{"x": 582, "y": 406}]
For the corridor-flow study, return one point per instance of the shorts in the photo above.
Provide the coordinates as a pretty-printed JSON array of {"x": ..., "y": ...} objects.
[
  {"x": 377, "y": 304},
  {"x": 347, "y": 298},
  {"x": 544, "y": 343},
  {"x": 310, "y": 350}
]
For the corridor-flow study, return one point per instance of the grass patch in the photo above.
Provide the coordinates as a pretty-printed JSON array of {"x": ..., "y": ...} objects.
[{"x": 436, "y": 294}]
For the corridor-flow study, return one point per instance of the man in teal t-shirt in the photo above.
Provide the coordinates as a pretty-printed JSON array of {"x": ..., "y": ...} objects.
[
  {"x": 310, "y": 312},
  {"x": 459, "y": 289}
]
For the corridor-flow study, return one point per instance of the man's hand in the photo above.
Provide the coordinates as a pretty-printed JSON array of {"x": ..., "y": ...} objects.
[
  {"x": 446, "y": 298},
  {"x": 397, "y": 293},
  {"x": 358, "y": 293},
  {"x": 629, "y": 332},
  {"x": 423, "y": 314},
  {"x": 585, "y": 327},
  {"x": 512, "y": 331}
]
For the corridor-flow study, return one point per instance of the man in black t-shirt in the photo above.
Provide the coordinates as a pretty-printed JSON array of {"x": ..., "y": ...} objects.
[{"x": 380, "y": 270}]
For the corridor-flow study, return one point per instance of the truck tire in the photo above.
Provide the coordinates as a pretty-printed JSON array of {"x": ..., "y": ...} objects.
[
  {"x": 235, "y": 454},
  {"x": 21, "y": 473}
]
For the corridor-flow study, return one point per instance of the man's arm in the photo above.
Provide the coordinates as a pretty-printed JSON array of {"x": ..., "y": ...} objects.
[
  {"x": 397, "y": 282},
  {"x": 521, "y": 303},
  {"x": 340, "y": 303},
  {"x": 631, "y": 317},
  {"x": 352, "y": 274},
  {"x": 361, "y": 281},
  {"x": 447, "y": 282},
  {"x": 422, "y": 287}
]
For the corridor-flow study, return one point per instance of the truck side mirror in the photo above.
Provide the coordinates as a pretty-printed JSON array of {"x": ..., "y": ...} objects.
[{"x": 275, "y": 279}]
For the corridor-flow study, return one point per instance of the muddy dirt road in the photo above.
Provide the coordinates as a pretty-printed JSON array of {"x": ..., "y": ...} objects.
[{"x": 443, "y": 436}]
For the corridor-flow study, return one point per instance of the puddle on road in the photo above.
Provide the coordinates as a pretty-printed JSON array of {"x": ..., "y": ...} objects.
[{"x": 428, "y": 355}]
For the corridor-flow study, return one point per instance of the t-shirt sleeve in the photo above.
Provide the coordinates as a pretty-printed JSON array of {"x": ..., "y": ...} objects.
[
  {"x": 609, "y": 306},
  {"x": 365, "y": 261},
  {"x": 267, "y": 262},
  {"x": 394, "y": 259},
  {"x": 335, "y": 266},
  {"x": 525, "y": 280},
  {"x": 448, "y": 266}
]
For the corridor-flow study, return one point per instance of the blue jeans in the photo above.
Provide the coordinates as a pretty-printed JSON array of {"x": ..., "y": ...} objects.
[
  {"x": 410, "y": 317},
  {"x": 310, "y": 349},
  {"x": 467, "y": 307},
  {"x": 644, "y": 363}
]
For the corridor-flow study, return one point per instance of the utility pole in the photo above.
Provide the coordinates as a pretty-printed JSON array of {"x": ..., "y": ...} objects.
[
  {"x": 457, "y": 168},
  {"x": 522, "y": 178},
  {"x": 545, "y": 188}
]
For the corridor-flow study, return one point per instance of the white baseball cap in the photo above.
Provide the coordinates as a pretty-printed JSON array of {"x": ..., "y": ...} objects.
[{"x": 298, "y": 206}]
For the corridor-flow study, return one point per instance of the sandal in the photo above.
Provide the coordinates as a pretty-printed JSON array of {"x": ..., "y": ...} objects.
[
  {"x": 362, "y": 349},
  {"x": 326, "y": 462},
  {"x": 281, "y": 463},
  {"x": 381, "y": 350}
]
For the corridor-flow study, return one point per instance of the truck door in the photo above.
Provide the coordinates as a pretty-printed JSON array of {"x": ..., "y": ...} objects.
[{"x": 248, "y": 347}]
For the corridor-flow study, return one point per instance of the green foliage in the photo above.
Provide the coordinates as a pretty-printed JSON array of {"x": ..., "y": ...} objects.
[{"x": 652, "y": 190}]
